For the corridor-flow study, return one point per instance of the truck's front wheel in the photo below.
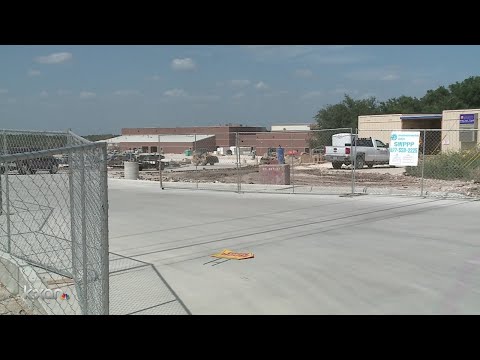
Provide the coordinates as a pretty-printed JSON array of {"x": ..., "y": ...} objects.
[{"x": 337, "y": 165}]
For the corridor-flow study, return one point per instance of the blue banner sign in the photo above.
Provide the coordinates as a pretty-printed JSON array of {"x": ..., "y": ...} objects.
[{"x": 467, "y": 119}]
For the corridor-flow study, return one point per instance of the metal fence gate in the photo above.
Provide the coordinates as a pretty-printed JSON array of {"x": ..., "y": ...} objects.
[
  {"x": 53, "y": 224},
  {"x": 447, "y": 166}
]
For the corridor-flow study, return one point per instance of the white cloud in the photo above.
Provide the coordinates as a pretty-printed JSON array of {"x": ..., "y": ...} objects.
[
  {"x": 56, "y": 58},
  {"x": 183, "y": 64},
  {"x": 11, "y": 100},
  {"x": 87, "y": 94},
  {"x": 175, "y": 93},
  {"x": 62, "y": 92},
  {"x": 390, "y": 77},
  {"x": 238, "y": 95},
  {"x": 44, "y": 93},
  {"x": 3, "y": 91},
  {"x": 312, "y": 95},
  {"x": 155, "y": 78},
  {"x": 34, "y": 72},
  {"x": 303, "y": 73},
  {"x": 240, "y": 83},
  {"x": 324, "y": 54},
  {"x": 261, "y": 86},
  {"x": 127, "y": 92}
]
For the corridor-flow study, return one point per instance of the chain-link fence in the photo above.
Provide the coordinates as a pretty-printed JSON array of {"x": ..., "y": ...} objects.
[
  {"x": 330, "y": 161},
  {"x": 447, "y": 165},
  {"x": 53, "y": 224},
  {"x": 137, "y": 288}
]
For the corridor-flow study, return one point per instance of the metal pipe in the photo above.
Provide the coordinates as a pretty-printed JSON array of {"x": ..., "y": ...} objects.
[
  {"x": 353, "y": 142},
  {"x": 1, "y": 188},
  {"x": 7, "y": 194},
  {"x": 423, "y": 161},
  {"x": 72, "y": 217},
  {"x": 237, "y": 150},
  {"x": 84, "y": 231},
  {"x": 292, "y": 165},
  {"x": 193, "y": 156},
  {"x": 79, "y": 138},
  {"x": 160, "y": 164},
  {"x": 42, "y": 153},
  {"x": 16, "y": 131},
  {"x": 5, "y": 168},
  {"x": 105, "y": 245}
]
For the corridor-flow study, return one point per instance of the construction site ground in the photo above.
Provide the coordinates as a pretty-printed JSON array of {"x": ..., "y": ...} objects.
[{"x": 379, "y": 178}]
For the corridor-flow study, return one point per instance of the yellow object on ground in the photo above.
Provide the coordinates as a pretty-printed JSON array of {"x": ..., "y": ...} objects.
[{"x": 229, "y": 254}]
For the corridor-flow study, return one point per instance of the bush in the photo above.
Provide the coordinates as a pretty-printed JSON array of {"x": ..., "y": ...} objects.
[{"x": 449, "y": 166}]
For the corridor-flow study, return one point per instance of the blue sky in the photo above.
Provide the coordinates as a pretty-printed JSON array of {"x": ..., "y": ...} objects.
[{"x": 100, "y": 89}]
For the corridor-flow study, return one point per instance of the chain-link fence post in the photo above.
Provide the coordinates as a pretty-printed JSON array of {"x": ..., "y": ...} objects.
[
  {"x": 3, "y": 169},
  {"x": 423, "y": 161},
  {"x": 353, "y": 144},
  {"x": 73, "y": 219},
  {"x": 84, "y": 231},
  {"x": 7, "y": 194},
  {"x": 292, "y": 163},
  {"x": 160, "y": 174},
  {"x": 193, "y": 157},
  {"x": 237, "y": 152},
  {"x": 104, "y": 241}
]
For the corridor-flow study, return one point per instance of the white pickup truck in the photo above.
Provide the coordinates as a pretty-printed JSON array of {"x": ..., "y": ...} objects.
[{"x": 366, "y": 151}]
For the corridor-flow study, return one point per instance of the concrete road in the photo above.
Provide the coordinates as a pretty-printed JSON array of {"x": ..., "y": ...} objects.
[{"x": 313, "y": 254}]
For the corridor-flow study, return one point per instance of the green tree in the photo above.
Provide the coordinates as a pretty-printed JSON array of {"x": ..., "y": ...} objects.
[
  {"x": 435, "y": 101},
  {"x": 342, "y": 115},
  {"x": 99, "y": 137},
  {"x": 465, "y": 94},
  {"x": 345, "y": 114},
  {"x": 460, "y": 95},
  {"x": 401, "y": 105}
]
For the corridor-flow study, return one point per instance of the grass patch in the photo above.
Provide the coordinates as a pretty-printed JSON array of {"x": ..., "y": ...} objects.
[{"x": 449, "y": 166}]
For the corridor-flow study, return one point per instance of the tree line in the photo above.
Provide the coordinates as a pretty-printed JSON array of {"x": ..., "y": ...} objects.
[
  {"x": 99, "y": 137},
  {"x": 460, "y": 95}
]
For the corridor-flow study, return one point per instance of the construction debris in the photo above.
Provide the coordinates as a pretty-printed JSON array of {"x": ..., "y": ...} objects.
[{"x": 229, "y": 254}]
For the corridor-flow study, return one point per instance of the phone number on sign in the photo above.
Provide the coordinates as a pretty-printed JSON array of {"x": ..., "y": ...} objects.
[{"x": 405, "y": 150}]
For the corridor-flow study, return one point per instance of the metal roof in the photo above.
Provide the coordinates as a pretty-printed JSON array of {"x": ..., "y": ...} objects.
[
  {"x": 293, "y": 124},
  {"x": 421, "y": 117},
  {"x": 154, "y": 138}
]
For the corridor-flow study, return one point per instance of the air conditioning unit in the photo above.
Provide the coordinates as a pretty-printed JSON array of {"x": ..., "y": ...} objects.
[{"x": 468, "y": 135}]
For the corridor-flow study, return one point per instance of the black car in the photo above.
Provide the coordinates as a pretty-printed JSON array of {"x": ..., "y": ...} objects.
[{"x": 31, "y": 166}]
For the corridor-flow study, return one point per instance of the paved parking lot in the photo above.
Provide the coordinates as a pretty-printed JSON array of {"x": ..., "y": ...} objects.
[{"x": 313, "y": 254}]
